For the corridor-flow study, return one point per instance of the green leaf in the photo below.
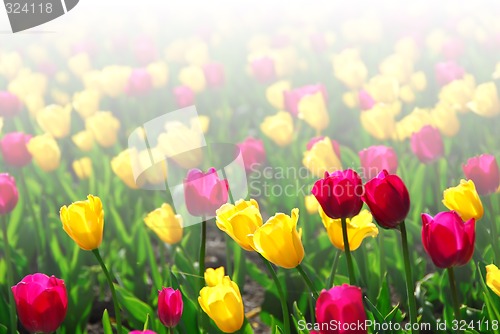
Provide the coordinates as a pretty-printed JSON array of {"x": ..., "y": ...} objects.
[
  {"x": 136, "y": 308},
  {"x": 106, "y": 323}
]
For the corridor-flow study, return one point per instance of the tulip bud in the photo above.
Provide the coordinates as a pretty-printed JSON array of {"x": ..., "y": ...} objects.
[
  {"x": 41, "y": 302},
  {"x": 339, "y": 193},
  {"x": 427, "y": 144},
  {"x": 10, "y": 104},
  {"x": 86, "y": 103},
  {"x": 165, "y": 223},
  {"x": 170, "y": 306},
  {"x": 14, "y": 149},
  {"x": 379, "y": 121},
  {"x": 366, "y": 101},
  {"x": 193, "y": 77},
  {"x": 55, "y": 120},
  {"x": 8, "y": 193},
  {"x": 485, "y": 101},
  {"x": 122, "y": 167},
  {"x": 253, "y": 153},
  {"x": 447, "y": 72},
  {"x": 104, "y": 128},
  {"x": 83, "y": 168},
  {"x": 45, "y": 152},
  {"x": 159, "y": 73},
  {"x": 375, "y": 159},
  {"x": 311, "y": 204},
  {"x": 279, "y": 128},
  {"x": 274, "y": 93},
  {"x": 84, "y": 140},
  {"x": 341, "y": 304},
  {"x": 483, "y": 171},
  {"x": 447, "y": 239},
  {"x": 204, "y": 192},
  {"x": 388, "y": 199},
  {"x": 465, "y": 200}
]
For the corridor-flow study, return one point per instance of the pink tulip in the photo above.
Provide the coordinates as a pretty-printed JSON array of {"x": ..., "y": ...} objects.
[
  {"x": 253, "y": 152},
  {"x": 263, "y": 69},
  {"x": 293, "y": 97},
  {"x": 10, "y": 105},
  {"x": 214, "y": 74},
  {"x": 170, "y": 306},
  {"x": 447, "y": 72},
  {"x": 427, "y": 144},
  {"x": 366, "y": 101},
  {"x": 14, "y": 149},
  {"x": 9, "y": 195},
  {"x": 483, "y": 170},
  {"x": 375, "y": 159},
  {"x": 139, "y": 82},
  {"x": 204, "y": 192},
  {"x": 184, "y": 96}
]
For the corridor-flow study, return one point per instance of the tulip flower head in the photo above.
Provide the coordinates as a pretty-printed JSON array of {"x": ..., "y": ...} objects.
[
  {"x": 375, "y": 159},
  {"x": 170, "y": 306},
  {"x": 493, "y": 278},
  {"x": 104, "y": 128},
  {"x": 213, "y": 276},
  {"x": 483, "y": 171},
  {"x": 295, "y": 96},
  {"x": 204, "y": 193},
  {"x": 184, "y": 96},
  {"x": 41, "y": 302},
  {"x": 139, "y": 82},
  {"x": 166, "y": 224},
  {"x": 214, "y": 74},
  {"x": 447, "y": 72},
  {"x": 465, "y": 200},
  {"x": 263, "y": 69},
  {"x": 447, "y": 239},
  {"x": 322, "y": 155},
  {"x": 427, "y": 144},
  {"x": 279, "y": 128},
  {"x": 253, "y": 153},
  {"x": 9, "y": 195},
  {"x": 366, "y": 101},
  {"x": 13, "y": 147},
  {"x": 10, "y": 104}
]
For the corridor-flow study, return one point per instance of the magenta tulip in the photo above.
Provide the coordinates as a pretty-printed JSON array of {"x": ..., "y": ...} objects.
[
  {"x": 375, "y": 159},
  {"x": 447, "y": 72},
  {"x": 483, "y": 171},
  {"x": 214, "y": 74},
  {"x": 427, "y": 144},
  {"x": 388, "y": 199},
  {"x": 253, "y": 153},
  {"x": 184, "y": 96},
  {"x": 41, "y": 302},
  {"x": 447, "y": 239},
  {"x": 10, "y": 104},
  {"x": 343, "y": 306},
  {"x": 293, "y": 97},
  {"x": 204, "y": 192},
  {"x": 366, "y": 101},
  {"x": 139, "y": 82},
  {"x": 339, "y": 193},
  {"x": 170, "y": 306},
  {"x": 14, "y": 149},
  {"x": 263, "y": 69},
  {"x": 8, "y": 193}
]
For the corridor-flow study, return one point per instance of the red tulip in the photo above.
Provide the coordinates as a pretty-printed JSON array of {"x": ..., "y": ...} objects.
[
  {"x": 184, "y": 96},
  {"x": 366, "y": 101},
  {"x": 214, "y": 74},
  {"x": 447, "y": 72},
  {"x": 293, "y": 97},
  {"x": 335, "y": 144},
  {"x": 10, "y": 105},
  {"x": 447, "y": 239},
  {"x": 388, "y": 199},
  {"x": 427, "y": 144},
  {"x": 375, "y": 159},
  {"x": 483, "y": 171},
  {"x": 139, "y": 82},
  {"x": 170, "y": 306},
  {"x": 263, "y": 69},
  {"x": 204, "y": 192},
  {"x": 341, "y": 306},
  {"x": 339, "y": 193},
  {"x": 14, "y": 149},
  {"x": 8, "y": 193},
  {"x": 41, "y": 302},
  {"x": 253, "y": 152}
]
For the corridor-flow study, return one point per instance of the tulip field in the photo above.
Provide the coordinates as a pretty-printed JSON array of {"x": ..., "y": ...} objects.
[{"x": 315, "y": 168}]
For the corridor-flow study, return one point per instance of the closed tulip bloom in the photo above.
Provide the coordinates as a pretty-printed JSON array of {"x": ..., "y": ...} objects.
[
  {"x": 83, "y": 168},
  {"x": 312, "y": 109},
  {"x": 366, "y": 101},
  {"x": 339, "y": 193},
  {"x": 13, "y": 147},
  {"x": 294, "y": 96},
  {"x": 213, "y": 276},
  {"x": 86, "y": 102},
  {"x": 342, "y": 304},
  {"x": 159, "y": 73},
  {"x": 263, "y": 69},
  {"x": 154, "y": 165},
  {"x": 483, "y": 171},
  {"x": 224, "y": 305},
  {"x": 204, "y": 193},
  {"x": 9, "y": 195},
  {"x": 193, "y": 77},
  {"x": 214, "y": 74},
  {"x": 41, "y": 302},
  {"x": 274, "y": 93},
  {"x": 278, "y": 240},
  {"x": 113, "y": 80},
  {"x": 375, "y": 159},
  {"x": 239, "y": 221},
  {"x": 322, "y": 155},
  {"x": 170, "y": 306},
  {"x": 84, "y": 140},
  {"x": 83, "y": 221},
  {"x": 253, "y": 153},
  {"x": 485, "y": 101},
  {"x": 384, "y": 89},
  {"x": 447, "y": 72},
  {"x": 165, "y": 223},
  {"x": 279, "y": 128},
  {"x": 358, "y": 228},
  {"x": 45, "y": 151},
  {"x": 379, "y": 121},
  {"x": 413, "y": 122},
  {"x": 139, "y": 82},
  {"x": 122, "y": 167},
  {"x": 55, "y": 119},
  {"x": 104, "y": 128},
  {"x": 418, "y": 81},
  {"x": 493, "y": 278},
  {"x": 183, "y": 144},
  {"x": 388, "y": 199},
  {"x": 10, "y": 104},
  {"x": 184, "y": 96},
  {"x": 444, "y": 117},
  {"x": 458, "y": 93},
  {"x": 465, "y": 200},
  {"x": 427, "y": 144},
  {"x": 447, "y": 239}
]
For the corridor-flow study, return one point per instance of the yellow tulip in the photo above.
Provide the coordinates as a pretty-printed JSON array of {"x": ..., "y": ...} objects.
[
  {"x": 84, "y": 140},
  {"x": 311, "y": 204},
  {"x": 384, "y": 89},
  {"x": 239, "y": 221},
  {"x": 28, "y": 83},
  {"x": 10, "y": 64},
  {"x": 182, "y": 144},
  {"x": 154, "y": 165},
  {"x": 83, "y": 168},
  {"x": 86, "y": 102},
  {"x": 418, "y": 81},
  {"x": 321, "y": 158},
  {"x": 444, "y": 117},
  {"x": 203, "y": 121},
  {"x": 55, "y": 120},
  {"x": 379, "y": 121},
  {"x": 159, "y": 73},
  {"x": 113, "y": 79},
  {"x": 312, "y": 109},
  {"x": 458, "y": 93},
  {"x": 274, "y": 93},
  {"x": 60, "y": 97},
  {"x": 350, "y": 69},
  {"x": 279, "y": 128},
  {"x": 223, "y": 304},
  {"x": 358, "y": 228},
  {"x": 412, "y": 123},
  {"x": 278, "y": 240},
  {"x": 406, "y": 94},
  {"x": 464, "y": 200},
  {"x": 485, "y": 101},
  {"x": 83, "y": 221},
  {"x": 104, "y": 128},
  {"x": 165, "y": 223},
  {"x": 213, "y": 276},
  {"x": 407, "y": 48},
  {"x": 34, "y": 103},
  {"x": 122, "y": 167},
  {"x": 493, "y": 278},
  {"x": 45, "y": 152},
  {"x": 193, "y": 77},
  {"x": 196, "y": 53},
  {"x": 350, "y": 99},
  {"x": 398, "y": 67},
  {"x": 79, "y": 64}
]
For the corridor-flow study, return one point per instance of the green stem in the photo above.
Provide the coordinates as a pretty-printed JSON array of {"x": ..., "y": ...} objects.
[
  {"x": 331, "y": 278},
  {"x": 201, "y": 258},
  {"x": 229, "y": 263},
  {"x": 118, "y": 316},
  {"x": 347, "y": 250},
  {"x": 409, "y": 278},
  {"x": 494, "y": 231},
  {"x": 284, "y": 305},
  {"x": 10, "y": 278},
  {"x": 171, "y": 330},
  {"x": 308, "y": 281},
  {"x": 454, "y": 294},
  {"x": 381, "y": 244}
]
